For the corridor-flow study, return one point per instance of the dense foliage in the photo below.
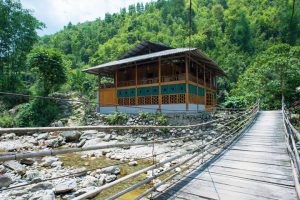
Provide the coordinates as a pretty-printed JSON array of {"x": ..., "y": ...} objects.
[
  {"x": 47, "y": 65},
  {"x": 17, "y": 37},
  {"x": 273, "y": 73},
  {"x": 232, "y": 32},
  {"x": 255, "y": 42}
]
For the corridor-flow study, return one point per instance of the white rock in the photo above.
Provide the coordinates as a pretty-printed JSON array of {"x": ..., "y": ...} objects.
[
  {"x": 43, "y": 195},
  {"x": 47, "y": 161},
  {"x": 133, "y": 163},
  {"x": 90, "y": 181},
  {"x": 110, "y": 178},
  {"x": 43, "y": 136},
  {"x": 41, "y": 186},
  {"x": 111, "y": 170},
  {"x": 15, "y": 166},
  {"x": 107, "y": 137},
  {"x": 66, "y": 186}
]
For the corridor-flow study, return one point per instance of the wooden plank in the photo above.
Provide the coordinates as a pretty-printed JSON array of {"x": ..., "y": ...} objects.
[{"x": 256, "y": 167}]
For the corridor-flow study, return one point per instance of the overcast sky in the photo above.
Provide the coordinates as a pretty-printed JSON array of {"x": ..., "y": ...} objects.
[{"x": 58, "y": 13}]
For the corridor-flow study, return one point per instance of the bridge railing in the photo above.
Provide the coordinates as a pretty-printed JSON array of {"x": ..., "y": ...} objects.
[
  {"x": 189, "y": 158},
  {"x": 231, "y": 128},
  {"x": 292, "y": 138}
]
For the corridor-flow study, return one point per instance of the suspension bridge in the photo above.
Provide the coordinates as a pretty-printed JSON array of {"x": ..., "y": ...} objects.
[{"x": 254, "y": 157}]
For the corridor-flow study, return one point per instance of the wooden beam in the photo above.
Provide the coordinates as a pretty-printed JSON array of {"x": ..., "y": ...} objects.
[
  {"x": 210, "y": 81},
  {"x": 116, "y": 90},
  {"x": 204, "y": 83},
  {"x": 159, "y": 84},
  {"x": 136, "y": 83},
  {"x": 197, "y": 88},
  {"x": 204, "y": 69},
  {"x": 186, "y": 83},
  {"x": 99, "y": 83}
]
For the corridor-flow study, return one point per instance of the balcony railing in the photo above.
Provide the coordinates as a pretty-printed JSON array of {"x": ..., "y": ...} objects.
[{"x": 178, "y": 77}]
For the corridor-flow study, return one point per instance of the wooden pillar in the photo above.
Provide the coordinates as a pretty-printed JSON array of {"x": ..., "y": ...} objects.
[
  {"x": 136, "y": 83},
  {"x": 186, "y": 83},
  {"x": 159, "y": 84},
  {"x": 210, "y": 81},
  {"x": 116, "y": 88},
  {"x": 197, "y": 99},
  {"x": 204, "y": 85},
  {"x": 204, "y": 81},
  {"x": 99, "y": 86}
]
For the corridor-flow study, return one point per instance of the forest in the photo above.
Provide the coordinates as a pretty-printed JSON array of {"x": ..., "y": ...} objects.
[{"x": 256, "y": 43}]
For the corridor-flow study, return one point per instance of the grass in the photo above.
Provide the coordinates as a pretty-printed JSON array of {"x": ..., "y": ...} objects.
[{"x": 75, "y": 160}]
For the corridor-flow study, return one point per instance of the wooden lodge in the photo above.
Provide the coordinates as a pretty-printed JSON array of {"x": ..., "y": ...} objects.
[{"x": 154, "y": 77}]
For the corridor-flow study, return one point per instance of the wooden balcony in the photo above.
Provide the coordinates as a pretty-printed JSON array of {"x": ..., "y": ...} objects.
[{"x": 164, "y": 79}]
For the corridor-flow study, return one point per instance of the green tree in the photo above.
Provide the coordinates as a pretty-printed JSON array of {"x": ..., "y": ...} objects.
[
  {"x": 273, "y": 73},
  {"x": 17, "y": 36},
  {"x": 48, "y": 67}
]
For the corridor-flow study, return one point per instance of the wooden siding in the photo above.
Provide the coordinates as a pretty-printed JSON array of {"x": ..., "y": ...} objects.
[
  {"x": 107, "y": 96},
  {"x": 170, "y": 92}
]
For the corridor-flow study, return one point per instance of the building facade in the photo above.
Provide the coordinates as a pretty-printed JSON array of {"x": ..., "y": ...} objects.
[{"x": 154, "y": 77}]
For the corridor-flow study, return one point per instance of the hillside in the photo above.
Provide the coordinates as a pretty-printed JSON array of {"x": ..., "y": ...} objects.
[
  {"x": 255, "y": 42},
  {"x": 231, "y": 32}
]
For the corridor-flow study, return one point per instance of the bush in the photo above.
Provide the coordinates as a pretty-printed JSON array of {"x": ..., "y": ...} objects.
[
  {"x": 144, "y": 115},
  {"x": 158, "y": 117},
  {"x": 6, "y": 120},
  {"x": 38, "y": 112},
  {"x": 161, "y": 119},
  {"x": 116, "y": 118},
  {"x": 234, "y": 102}
]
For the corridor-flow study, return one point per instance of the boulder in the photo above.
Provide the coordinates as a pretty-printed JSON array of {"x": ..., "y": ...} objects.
[
  {"x": 43, "y": 136},
  {"x": 48, "y": 161},
  {"x": 111, "y": 170},
  {"x": 57, "y": 164},
  {"x": 9, "y": 136},
  {"x": 107, "y": 137},
  {"x": 13, "y": 145},
  {"x": 81, "y": 143},
  {"x": 133, "y": 163},
  {"x": 71, "y": 136},
  {"x": 110, "y": 178},
  {"x": 92, "y": 142},
  {"x": 2, "y": 169},
  {"x": 31, "y": 175},
  {"x": 43, "y": 195},
  {"x": 90, "y": 181},
  {"x": 89, "y": 134},
  {"x": 57, "y": 142},
  {"x": 27, "y": 161},
  {"x": 41, "y": 186},
  {"x": 15, "y": 166},
  {"x": 65, "y": 187},
  {"x": 5, "y": 181},
  {"x": 83, "y": 191}
]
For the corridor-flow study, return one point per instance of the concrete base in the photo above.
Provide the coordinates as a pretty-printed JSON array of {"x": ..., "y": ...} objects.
[{"x": 165, "y": 108}]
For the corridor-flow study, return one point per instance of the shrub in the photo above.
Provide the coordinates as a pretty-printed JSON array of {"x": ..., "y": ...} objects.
[
  {"x": 161, "y": 120},
  {"x": 6, "y": 120},
  {"x": 37, "y": 113},
  {"x": 144, "y": 115},
  {"x": 158, "y": 117},
  {"x": 116, "y": 118}
]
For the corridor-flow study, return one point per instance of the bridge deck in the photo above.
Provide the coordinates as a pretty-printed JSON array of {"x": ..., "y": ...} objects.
[{"x": 257, "y": 166}]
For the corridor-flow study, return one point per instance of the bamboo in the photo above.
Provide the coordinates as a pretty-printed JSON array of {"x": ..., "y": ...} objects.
[
  {"x": 82, "y": 128},
  {"x": 51, "y": 152},
  {"x": 106, "y": 186}
]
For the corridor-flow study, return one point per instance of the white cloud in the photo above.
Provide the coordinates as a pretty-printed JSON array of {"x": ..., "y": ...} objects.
[{"x": 58, "y": 13}]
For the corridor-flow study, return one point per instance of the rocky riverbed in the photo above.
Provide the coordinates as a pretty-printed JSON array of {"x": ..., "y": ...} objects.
[{"x": 37, "y": 178}]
